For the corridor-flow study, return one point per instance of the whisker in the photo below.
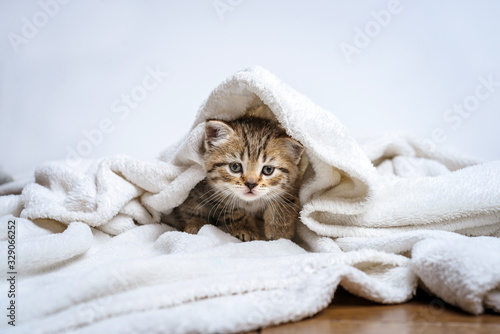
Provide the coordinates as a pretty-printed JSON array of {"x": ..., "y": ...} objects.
[
  {"x": 227, "y": 194},
  {"x": 215, "y": 207},
  {"x": 206, "y": 200}
]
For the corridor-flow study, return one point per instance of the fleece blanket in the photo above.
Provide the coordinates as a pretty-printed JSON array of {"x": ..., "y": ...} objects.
[{"x": 380, "y": 216}]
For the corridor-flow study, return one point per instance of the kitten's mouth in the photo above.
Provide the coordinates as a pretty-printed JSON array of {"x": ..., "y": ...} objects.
[{"x": 249, "y": 195}]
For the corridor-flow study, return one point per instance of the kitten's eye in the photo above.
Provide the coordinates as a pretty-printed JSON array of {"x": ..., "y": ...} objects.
[
  {"x": 235, "y": 167},
  {"x": 267, "y": 170}
]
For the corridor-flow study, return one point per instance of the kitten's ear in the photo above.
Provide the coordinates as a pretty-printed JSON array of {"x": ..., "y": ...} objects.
[
  {"x": 216, "y": 132},
  {"x": 295, "y": 148}
]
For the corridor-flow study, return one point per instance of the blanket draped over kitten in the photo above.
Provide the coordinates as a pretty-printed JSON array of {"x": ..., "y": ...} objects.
[{"x": 252, "y": 182}]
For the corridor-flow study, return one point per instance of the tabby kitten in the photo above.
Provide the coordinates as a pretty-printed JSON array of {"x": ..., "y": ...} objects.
[{"x": 252, "y": 181}]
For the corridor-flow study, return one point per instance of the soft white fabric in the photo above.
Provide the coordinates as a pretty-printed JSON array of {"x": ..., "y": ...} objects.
[
  {"x": 92, "y": 257},
  {"x": 467, "y": 276}
]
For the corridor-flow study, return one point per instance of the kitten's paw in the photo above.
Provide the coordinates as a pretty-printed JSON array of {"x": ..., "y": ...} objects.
[
  {"x": 192, "y": 229},
  {"x": 245, "y": 235},
  {"x": 275, "y": 232}
]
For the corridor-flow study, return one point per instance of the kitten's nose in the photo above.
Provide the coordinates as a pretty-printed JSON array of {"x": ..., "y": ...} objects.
[{"x": 250, "y": 185}]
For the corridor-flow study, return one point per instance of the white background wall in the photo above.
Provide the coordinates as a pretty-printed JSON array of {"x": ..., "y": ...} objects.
[{"x": 62, "y": 79}]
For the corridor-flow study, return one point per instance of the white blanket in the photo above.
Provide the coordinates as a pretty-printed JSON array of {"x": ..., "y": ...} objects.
[{"x": 93, "y": 258}]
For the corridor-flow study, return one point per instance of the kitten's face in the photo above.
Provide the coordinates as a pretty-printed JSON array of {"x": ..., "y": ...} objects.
[{"x": 250, "y": 158}]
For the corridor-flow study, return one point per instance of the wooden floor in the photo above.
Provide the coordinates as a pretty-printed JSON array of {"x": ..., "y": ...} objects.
[{"x": 424, "y": 314}]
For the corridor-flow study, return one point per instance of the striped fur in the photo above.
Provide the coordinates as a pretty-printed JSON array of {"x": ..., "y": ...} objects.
[{"x": 239, "y": 193}]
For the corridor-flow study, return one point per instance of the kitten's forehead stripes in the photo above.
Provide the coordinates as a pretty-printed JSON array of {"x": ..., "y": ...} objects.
[
  {"x": 264, "y": 146},
  {"x": 256, "y": 134},
  {"x": 245, "y": 139}
]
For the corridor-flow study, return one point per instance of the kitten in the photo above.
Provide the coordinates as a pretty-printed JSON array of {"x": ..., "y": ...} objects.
[{"x": 252, "y": 180}]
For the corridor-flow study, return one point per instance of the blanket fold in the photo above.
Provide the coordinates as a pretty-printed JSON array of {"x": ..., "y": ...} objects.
[{"x": 376, "y": 213}]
